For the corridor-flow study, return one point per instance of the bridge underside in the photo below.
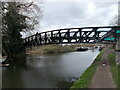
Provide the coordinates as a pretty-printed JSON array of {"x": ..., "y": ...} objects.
[{"x": 74, "y": 35}]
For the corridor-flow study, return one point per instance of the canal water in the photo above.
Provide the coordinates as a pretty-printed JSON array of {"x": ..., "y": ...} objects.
[{"x": 51, "y": 71}]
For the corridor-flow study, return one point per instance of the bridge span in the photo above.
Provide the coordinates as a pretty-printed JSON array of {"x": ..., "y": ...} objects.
[{"x": 105, "y": 34}]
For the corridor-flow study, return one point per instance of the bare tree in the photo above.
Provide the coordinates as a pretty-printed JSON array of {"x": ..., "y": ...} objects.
[{"x": 17, "y": 17}]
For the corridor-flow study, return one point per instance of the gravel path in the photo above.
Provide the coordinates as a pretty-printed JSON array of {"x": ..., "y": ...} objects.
[{"x": 103, "y": 76}]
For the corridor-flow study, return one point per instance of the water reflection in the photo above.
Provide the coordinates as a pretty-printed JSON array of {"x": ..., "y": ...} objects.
[{"x": 53, "y": 71}]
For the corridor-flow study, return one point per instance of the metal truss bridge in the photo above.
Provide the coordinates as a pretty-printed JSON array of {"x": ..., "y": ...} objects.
[{"x": 106, "y": 34}]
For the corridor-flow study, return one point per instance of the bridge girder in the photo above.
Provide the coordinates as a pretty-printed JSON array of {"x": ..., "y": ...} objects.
[{"x": 71, "y": 35}]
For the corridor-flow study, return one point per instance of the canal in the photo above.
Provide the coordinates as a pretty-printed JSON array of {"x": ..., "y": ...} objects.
[{"x": 50, "y": 71}]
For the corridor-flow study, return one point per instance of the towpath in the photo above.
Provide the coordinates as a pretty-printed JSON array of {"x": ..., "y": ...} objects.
[{"x": 103, "y": 77}]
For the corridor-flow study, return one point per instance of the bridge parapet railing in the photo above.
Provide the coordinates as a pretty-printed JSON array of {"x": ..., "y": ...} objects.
[{"x": 72, "y": 35}]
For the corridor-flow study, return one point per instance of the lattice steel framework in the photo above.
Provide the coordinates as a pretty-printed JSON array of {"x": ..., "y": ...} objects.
[{"x": 72, "y": 35}]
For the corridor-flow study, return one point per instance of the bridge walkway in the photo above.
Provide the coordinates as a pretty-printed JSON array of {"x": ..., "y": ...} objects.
[{"x": 103, "y": 77}]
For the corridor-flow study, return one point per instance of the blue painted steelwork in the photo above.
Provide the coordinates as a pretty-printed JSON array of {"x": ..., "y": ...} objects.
[
  {"x": 118, "y": 31},
  {"x": 109, "y": 39}
]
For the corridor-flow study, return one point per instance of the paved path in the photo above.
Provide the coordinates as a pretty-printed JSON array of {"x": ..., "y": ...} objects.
[{"x": 103, "y": 76}]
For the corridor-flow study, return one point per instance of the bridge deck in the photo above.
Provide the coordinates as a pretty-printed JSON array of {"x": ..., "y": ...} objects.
[{"x": 73, "y": 35}]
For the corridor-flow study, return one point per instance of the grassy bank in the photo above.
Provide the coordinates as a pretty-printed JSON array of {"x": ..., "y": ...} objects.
[
  {"x": 114, "y": 68},
  {"x": 85, "y": 78},
  {"x": 55, "y": 48},
  {"x": 50, "y": 49}
]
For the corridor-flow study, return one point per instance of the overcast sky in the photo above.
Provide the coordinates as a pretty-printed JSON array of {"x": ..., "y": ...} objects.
[{"x": 63, "y": 14}]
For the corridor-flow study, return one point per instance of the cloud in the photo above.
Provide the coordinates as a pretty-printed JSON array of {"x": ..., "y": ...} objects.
[{"x": 76, "y": 14}]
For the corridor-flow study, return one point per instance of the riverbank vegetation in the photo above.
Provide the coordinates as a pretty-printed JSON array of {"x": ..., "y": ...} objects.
[
  {"x": 85, "y": 78},
  {"x": 114, "y": 68},
  {"x": 15, "y": 20},
  {"x": 55, "y": 48},
  {"x": 50, "y": 49}
]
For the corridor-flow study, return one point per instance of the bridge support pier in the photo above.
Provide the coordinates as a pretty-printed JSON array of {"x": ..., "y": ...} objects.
[
  {"x": 118, "y": 52},
  {"x": 118, "y": 45}
]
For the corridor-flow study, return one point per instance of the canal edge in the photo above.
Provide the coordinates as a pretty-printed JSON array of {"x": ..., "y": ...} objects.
[{"x": 85, "y": 79}]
